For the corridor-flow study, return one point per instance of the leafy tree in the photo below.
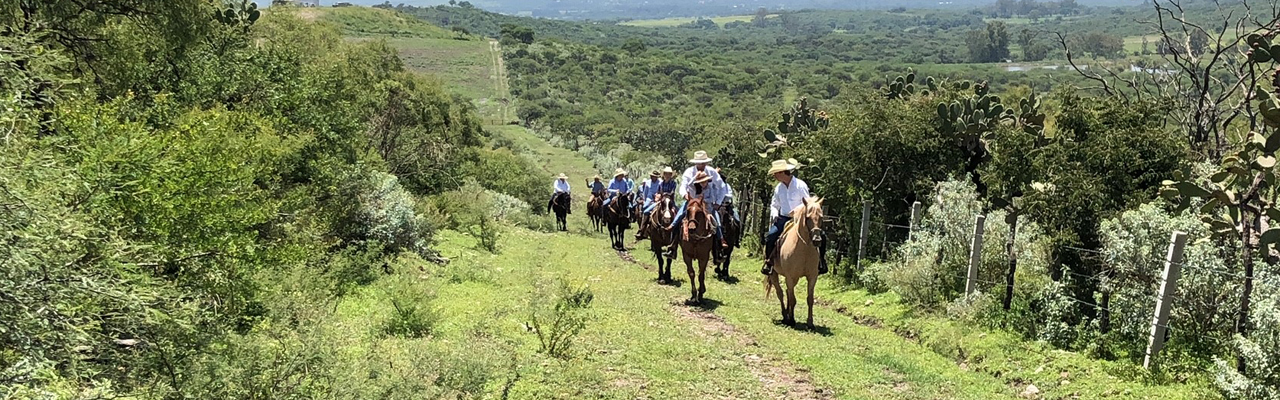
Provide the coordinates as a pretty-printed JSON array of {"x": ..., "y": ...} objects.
[
  {"x": 634, "y": 46},
  {"x": 990, "y": 44},
  {"x": 512, "y": 34}
]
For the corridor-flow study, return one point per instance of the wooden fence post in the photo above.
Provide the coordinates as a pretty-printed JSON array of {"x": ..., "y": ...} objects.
[
  {"x": 1160, "y": 321},
  {"x": 915, "y": 221},
  {"x": 862, "y": 236},
  {"x": 975, "y": 255}
]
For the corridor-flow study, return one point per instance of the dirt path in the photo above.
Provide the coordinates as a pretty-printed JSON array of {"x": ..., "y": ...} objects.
[
  {"x": 778, "y": 377},
  {"x": 501, "y": 89}
]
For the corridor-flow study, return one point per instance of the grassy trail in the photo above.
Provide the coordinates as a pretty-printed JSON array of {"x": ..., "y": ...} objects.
[{"x": 644, "y": 343}]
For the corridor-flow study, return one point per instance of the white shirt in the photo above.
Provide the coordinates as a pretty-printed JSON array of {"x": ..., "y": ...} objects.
[
  {"x": 686, "y": 180},
  {"x": 561, "y": 185},
  {"x": 787, "y": 198}
]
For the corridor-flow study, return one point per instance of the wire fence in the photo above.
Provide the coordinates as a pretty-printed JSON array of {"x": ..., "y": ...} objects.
[{"x": 1147, "y": 285}]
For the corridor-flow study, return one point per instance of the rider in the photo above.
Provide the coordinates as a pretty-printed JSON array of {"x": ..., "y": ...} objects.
[
  {"x": 597, "y": 188},
  {"x": 728, "y": 199},
  {"x": 648, "y": 192},
  {"x": 787, "y": 195},
  {"x": 561, "y": 185},
  {"x": 713, "y": 197},
  {"x": 619, "y": 185}
]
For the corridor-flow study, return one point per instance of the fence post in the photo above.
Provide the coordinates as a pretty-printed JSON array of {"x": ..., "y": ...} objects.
[
  {"x": 1160, "y": 321},
  {"x": 975, "y": 255},
  {"x": 862, "y": 236},
  {"x": 915, "y": 220}
]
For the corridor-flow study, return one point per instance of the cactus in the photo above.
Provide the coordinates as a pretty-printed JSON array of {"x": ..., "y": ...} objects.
[
  {"x": 905, "y": 86},
  {"x": 794, "y": 126},
  {"x": 244, "y": 13}
]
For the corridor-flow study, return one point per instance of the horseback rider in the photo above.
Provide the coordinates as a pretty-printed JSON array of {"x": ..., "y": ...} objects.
[
  {"x": 648, "y": 192},
  {"x": 789, "y": 193},
  {"x": 728, "y": 200},
  {"x": 597, "y": 188},
  {"x": 711, "y": 192},
  {"x": 619, "y": 185},
  {"x": 561, "y": 185}
]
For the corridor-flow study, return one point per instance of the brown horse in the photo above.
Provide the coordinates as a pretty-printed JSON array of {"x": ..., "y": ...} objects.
[
  {"x": 658, "y": 219},
  {"x": 797, "y": 257},
  {"x": 695, "y": 244},
  {"x": 617, "y": 215},
  {"x": 595, "y": 212},
  {"x": 732, "y": 230}
]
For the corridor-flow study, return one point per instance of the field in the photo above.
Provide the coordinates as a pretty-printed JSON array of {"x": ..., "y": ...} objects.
[{"x": 671, "y": 22}]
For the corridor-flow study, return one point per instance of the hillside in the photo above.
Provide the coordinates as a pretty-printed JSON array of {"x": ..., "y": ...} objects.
[{"x": 208, "y": 200}]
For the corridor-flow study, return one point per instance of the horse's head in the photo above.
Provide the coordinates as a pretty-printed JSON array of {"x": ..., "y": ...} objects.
[{"x": 813, "y": 217}]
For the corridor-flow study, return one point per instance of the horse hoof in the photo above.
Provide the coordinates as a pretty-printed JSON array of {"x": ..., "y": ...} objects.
[{"x": 691, "y": 302}]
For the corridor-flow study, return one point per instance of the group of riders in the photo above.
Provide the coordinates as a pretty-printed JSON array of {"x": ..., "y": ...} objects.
[{"x": 700, "y": 180}]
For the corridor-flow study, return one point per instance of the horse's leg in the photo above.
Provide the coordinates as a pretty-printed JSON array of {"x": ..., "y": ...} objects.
[
  {"x": 813, "y": 279},
  {"x": 693, "y": 279},
  {"x": 702, "y": 278},
  {"x": 791, "y": 299}
]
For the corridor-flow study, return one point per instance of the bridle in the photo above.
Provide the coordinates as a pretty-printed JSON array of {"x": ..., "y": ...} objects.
[{"x": 701, "y": 210}]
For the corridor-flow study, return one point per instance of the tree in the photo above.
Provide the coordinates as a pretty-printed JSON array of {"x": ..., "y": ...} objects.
[
  {"x": 1101, "y": 45},
  {"x": 634, "y": 46},
  {"x": 512, "y": 34},
  {"x": 762, "y": 18},
  {"x": 990, "y": 44}
]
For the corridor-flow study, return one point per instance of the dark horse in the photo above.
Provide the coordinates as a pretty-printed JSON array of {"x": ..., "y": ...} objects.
[
  {"x": 596, "y": 212},
  {"x": 617, "y": 215},
  {"x": 658, "y": 220},
  {"x": 560, "y": 204},
  {"x": 732, "y": 230}
]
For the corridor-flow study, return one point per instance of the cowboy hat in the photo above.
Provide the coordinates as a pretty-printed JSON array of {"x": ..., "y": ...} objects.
[
  {"x": 779, "y": 166},
  {"x": 654, "y": 174},
  {"x": 563, "y": 176},
  {"x": 597, "y": 177},
  {"x": 667, "y": 170},
  {"x": 619, "y": 172},
  {"x": 701, "y": 177},
  {"x": 700, "y": 157}
]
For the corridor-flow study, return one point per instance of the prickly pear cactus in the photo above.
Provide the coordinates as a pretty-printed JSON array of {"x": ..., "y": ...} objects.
[
  {"x": 971, "y": 120},
  {"x": 1239, "y": 192},
  {"x": 905, "y": 86},
  {"x": 793, "y": 127},
  {"x": 242, "y": 13}
]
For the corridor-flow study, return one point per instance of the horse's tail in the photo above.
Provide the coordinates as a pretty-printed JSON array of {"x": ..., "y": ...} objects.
[{"x": 768, "y": 286}]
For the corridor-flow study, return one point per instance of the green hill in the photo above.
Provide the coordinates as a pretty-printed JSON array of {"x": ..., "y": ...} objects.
[{"x": 368, "y": 21}]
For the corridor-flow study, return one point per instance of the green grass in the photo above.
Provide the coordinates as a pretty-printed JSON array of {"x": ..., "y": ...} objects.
[
  {"x": 466, "y": 66},
  {"x": 368, "y": 21},
  {"x": 674, "y": 22},
  {"x": 1134, "y": 43},
  {"x": 643, "y": 342}
]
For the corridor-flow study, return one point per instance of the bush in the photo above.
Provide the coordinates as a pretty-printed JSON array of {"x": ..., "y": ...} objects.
[
  {"x": 375, "y": 208},
  {"x": 558, "y": 317},
  {"x": 410, "y": 299},
  {"x": 1135, "y": 245},
  {"x": 1261, "y": 351},
  {"x": 932, "y": 269}
]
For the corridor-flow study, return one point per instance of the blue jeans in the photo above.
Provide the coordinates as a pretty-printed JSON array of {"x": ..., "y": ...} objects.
[{"x": 771, "y": 238}]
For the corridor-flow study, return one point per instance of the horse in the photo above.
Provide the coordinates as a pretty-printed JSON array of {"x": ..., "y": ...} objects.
[
  {"x": 797, "y": 257},
  {"x": 661, "y": 216},
  {"x": 617, "y": 215},
  {"x": 560, "y": 204},
  {"x": 595, "y": 212},
  {"x": 732, "y": 231},
  {"x": 696, "y": 244}
]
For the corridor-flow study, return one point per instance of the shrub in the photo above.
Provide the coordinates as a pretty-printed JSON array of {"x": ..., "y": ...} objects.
[
  {"x": 375, "y": 208},
  {"x": 558, "y": 317},
  {"x": 1261, "y": 351},
  {"x": 1135, "y": 244},
  {"x": 410, "y": 298}
]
